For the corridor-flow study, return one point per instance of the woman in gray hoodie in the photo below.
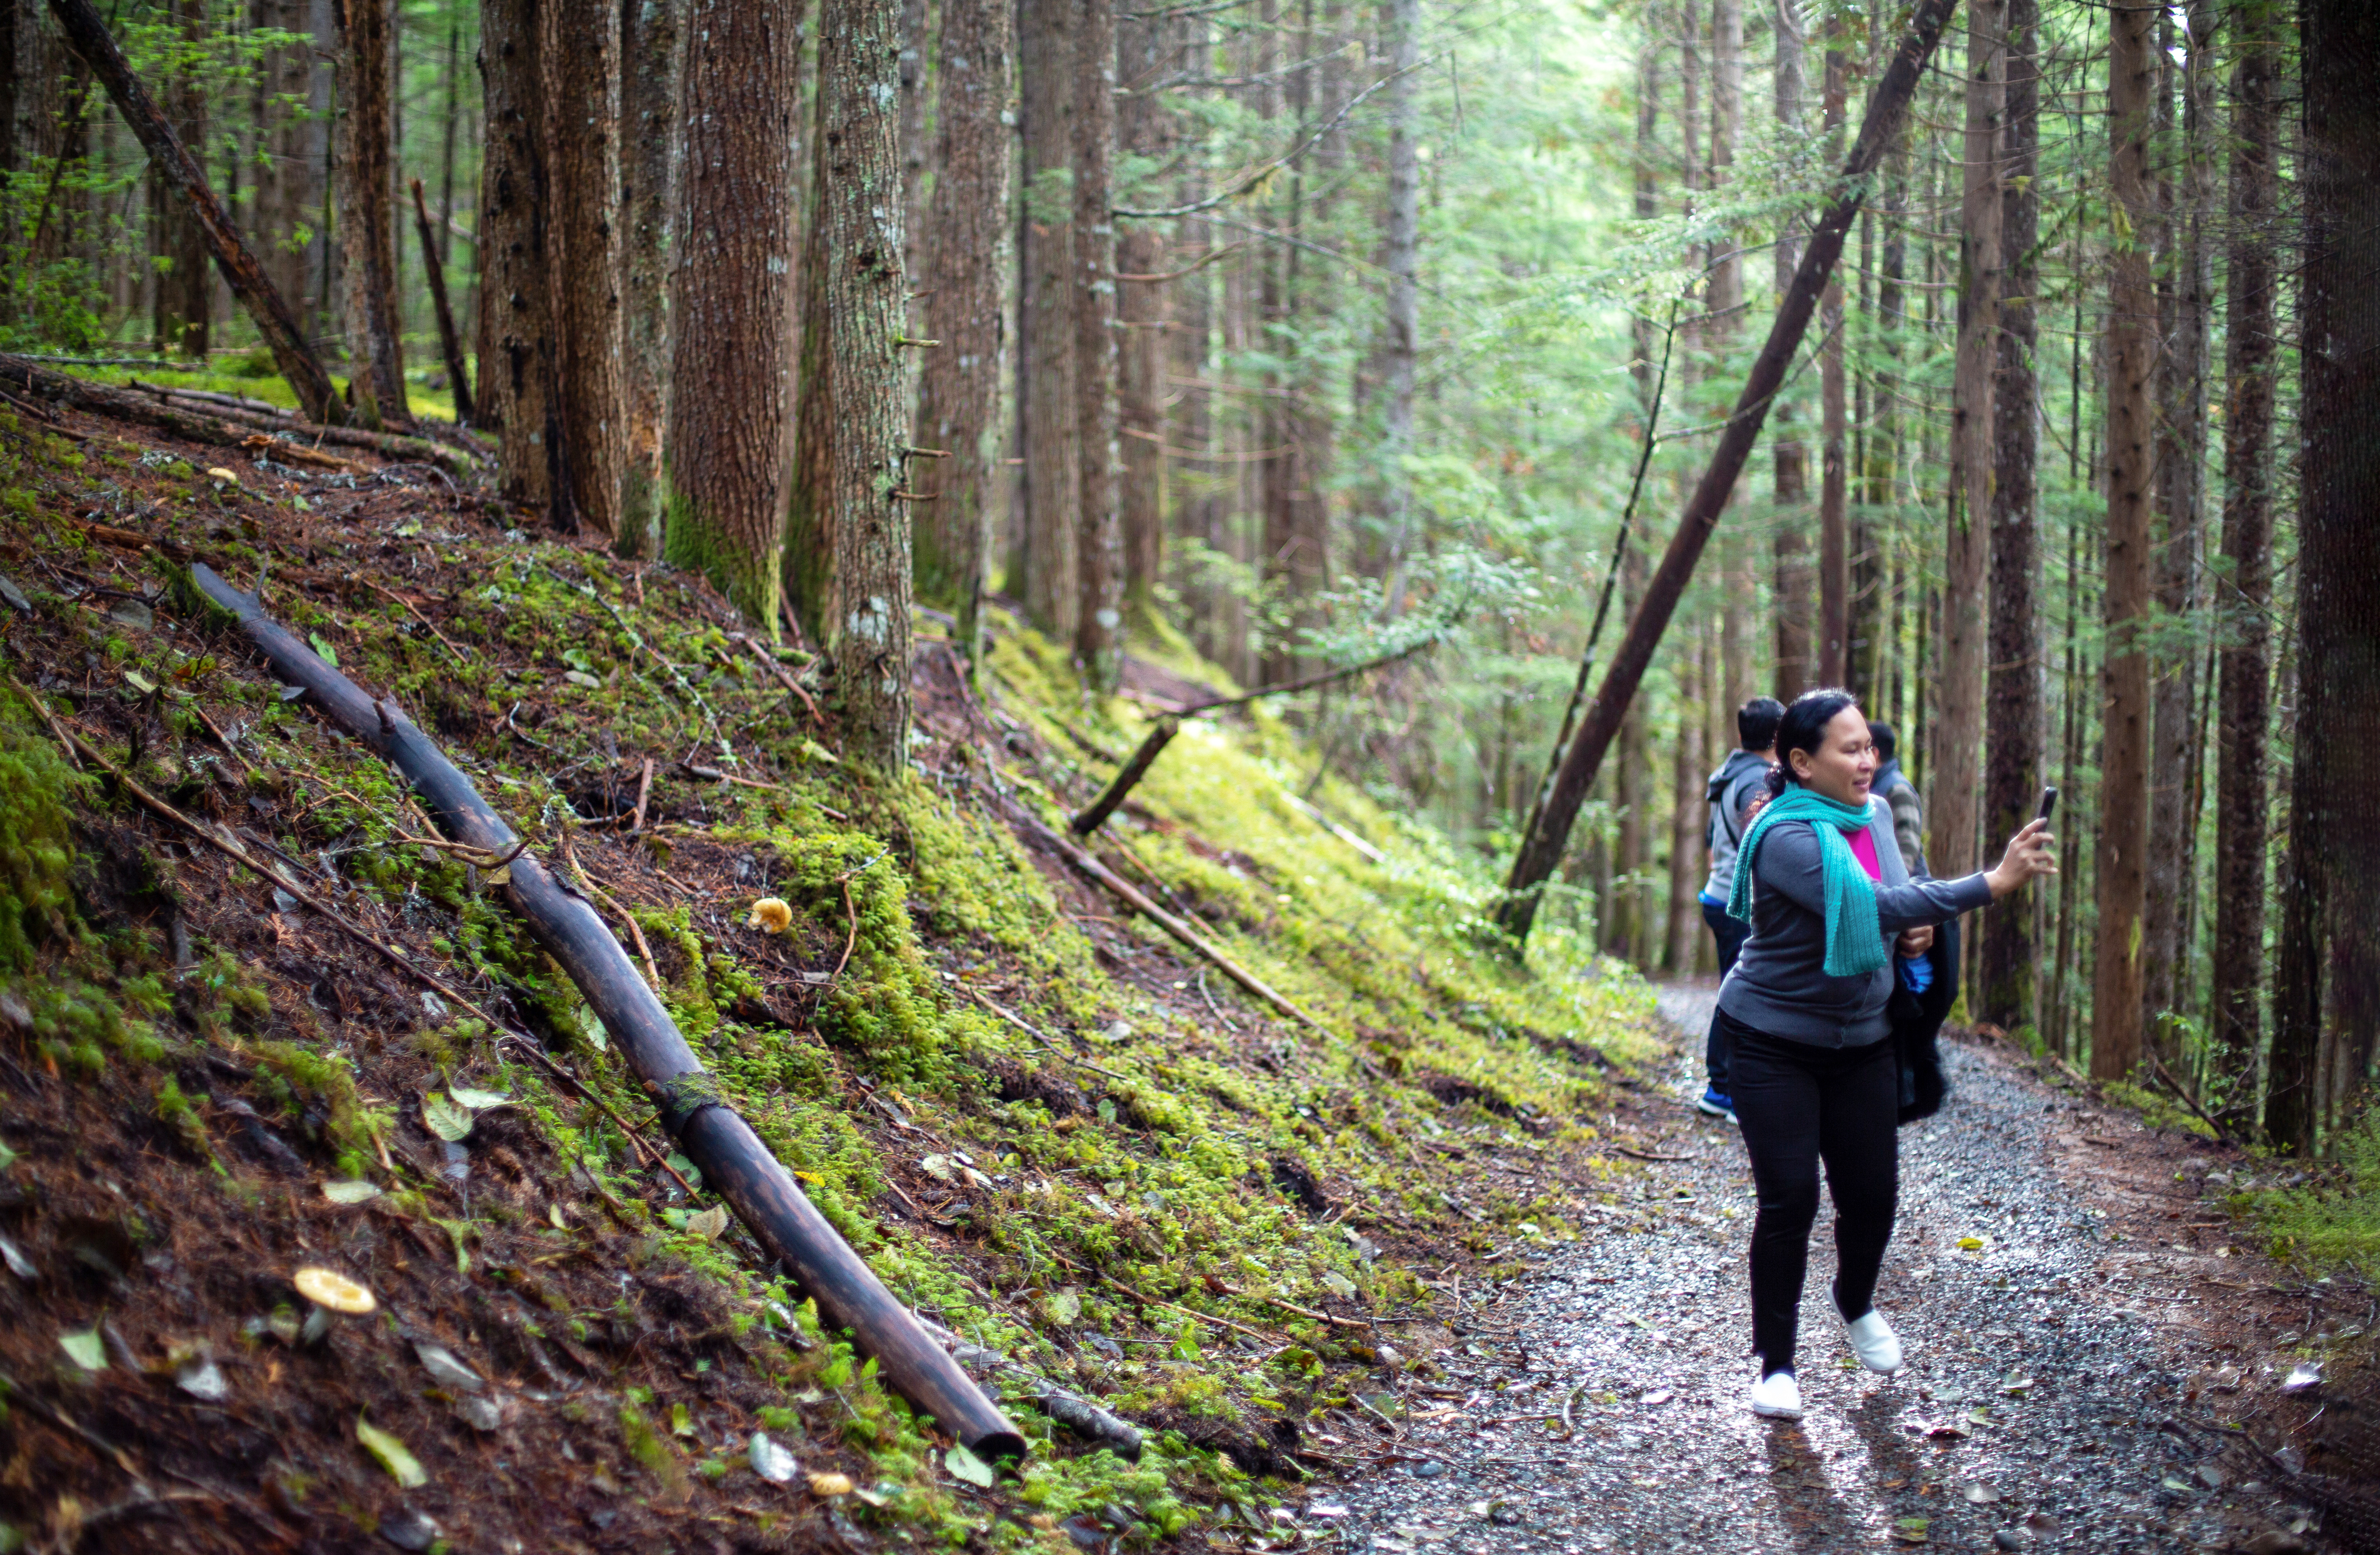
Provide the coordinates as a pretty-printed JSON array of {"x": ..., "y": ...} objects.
[{"x": 1831, "y": 904}]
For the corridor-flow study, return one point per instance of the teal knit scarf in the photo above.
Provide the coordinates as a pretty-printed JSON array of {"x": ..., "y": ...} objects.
[{"x": 1854, "y": 941}]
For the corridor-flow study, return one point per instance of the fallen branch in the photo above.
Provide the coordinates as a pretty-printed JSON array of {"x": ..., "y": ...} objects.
[
  {"x": 1307, "y": 683},
  {"x": 786, "y": 678},
  {"x": 734, "y": 1161},
  {"x": 1135, "y": 899},
  {"x": 2190, "y": 1101},
  {"x": 1310, "y": 813},
  {"x": 1085, "y": 1417},
  {"x": 1136, "y": 767}
]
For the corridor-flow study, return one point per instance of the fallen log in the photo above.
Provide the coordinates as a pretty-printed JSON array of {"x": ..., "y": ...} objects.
[
  {"x": 1085, "y": 1417},
  {"x": 1096, "y": 813},
  {"x": 734, "y": 1161},
  {"x": 184, "y": 414}
]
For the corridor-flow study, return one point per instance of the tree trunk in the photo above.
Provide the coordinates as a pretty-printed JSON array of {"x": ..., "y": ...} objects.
[
  {"x": 1633, "y": 787},
  {"x": 2116, "y": 1011},
  {"x": 368, "y": 215},
  {"x": 2326, "y": 980},
  {"x": 731, "y": 312},
  {"x": 958, "y": 391},
  {"x": 1098, "y": 615},
  {"x": 1145, "y": 130},
  {"x": 916, "y": 81},
  {"x": 2013, "y": 723},
  {"x": 517, "y": 392},
  {"x": 2180, "y": 437},
  {"x": 652, "y": 173},
  {"x": 1730, "y": 683},
  {"x": 1400, "y": 239},
  {"x": 1796, "y": 583},
  {"x": 589, "y": 226},
  {"x": 2242, "y": 824},
  {"x": 1053, "y": 463},
  {"x": 1951, "y": 787},
  {"x": 1887, "y": 108},
  {"x": 1834, "y": 645},
  {"x": 859, "y": 210},
  {"x": 1682, "y": 922},
  {"x": 450, "y": 344},
  {"x": 186, "y": 288},
  {"x": 88, "y": 36}
]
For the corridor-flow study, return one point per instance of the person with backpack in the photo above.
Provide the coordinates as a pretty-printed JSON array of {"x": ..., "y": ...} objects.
[
  {"x": 1820, "y": 878},
  {"x": 1729, "y": 794},
  {"x": 1925, "y": 976}
]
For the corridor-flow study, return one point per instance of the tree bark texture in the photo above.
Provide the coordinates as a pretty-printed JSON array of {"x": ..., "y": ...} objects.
[
  {"x": 1098, "y": 615},
  {"x": 859, "y": 210},
  {"x": 1681, "y": 925},
  {"x": 1796, "y": 580},
  {"x": 2122, "y": 854},
  {"x": 88, "y": 36},
  {"x": 368, "y": 212},
  {"x": 1888, "y": 108},
  {"x": 2180, "y": 439},
  {"x": 2243, "y": 592},
  {"x": 731, "y": 310},
  {"x": 589, "y": 226},
  {"x": 2326, "y": 980},
  {"x": 958, "y": 391},
  {"x": 1952, "y": 791},
  {"x": 2013, "y": 692},
  {"x": 651, "y": 172},
  {"x": 1731, "y": 683},
  {"x": 1834, "y": 645},
  {"x": 916, "y": 80},
  {"x": 1053, "y": 464},
  {"x": 1145, "y": 130},
  {"x": 1399, "y": 242},
  {"x": 518, "y": 361}
]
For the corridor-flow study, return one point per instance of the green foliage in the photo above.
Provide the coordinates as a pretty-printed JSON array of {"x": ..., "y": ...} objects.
[
  {"x": 36, "y": 835},
  {"x": 2330, "y": 1220}
]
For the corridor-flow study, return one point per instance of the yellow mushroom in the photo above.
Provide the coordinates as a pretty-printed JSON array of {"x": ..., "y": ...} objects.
[
  {"x": 770, "y": 915},
  {"x": 326, "y": 1287}
]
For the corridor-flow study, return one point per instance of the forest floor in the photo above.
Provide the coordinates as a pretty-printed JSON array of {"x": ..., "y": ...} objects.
[
  {"x": 2085, "y": 1331},
  {"x": 1267, "y": 1242}
]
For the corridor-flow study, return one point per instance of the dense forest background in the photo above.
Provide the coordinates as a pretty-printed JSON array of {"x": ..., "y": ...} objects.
[{"x": 1309, "y": 335}]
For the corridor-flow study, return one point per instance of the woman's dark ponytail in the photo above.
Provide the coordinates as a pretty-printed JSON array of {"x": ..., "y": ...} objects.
[{"x": 1804, "y": 728}]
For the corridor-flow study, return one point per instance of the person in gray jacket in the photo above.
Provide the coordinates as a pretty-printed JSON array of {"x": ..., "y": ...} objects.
[
  {"x": 1729, "y": 794},
  {"x": 1830, "y": 902}
]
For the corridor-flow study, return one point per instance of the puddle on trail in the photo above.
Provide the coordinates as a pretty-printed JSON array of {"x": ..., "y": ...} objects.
[{"x": 2038, "y": 1409}]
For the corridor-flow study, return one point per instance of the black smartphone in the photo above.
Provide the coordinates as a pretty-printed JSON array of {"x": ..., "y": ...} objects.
[{"x": 2048, "y": 802}]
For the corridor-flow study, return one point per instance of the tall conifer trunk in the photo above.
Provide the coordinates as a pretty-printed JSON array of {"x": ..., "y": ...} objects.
[
  {"x": 517, "y": 389},
  {"x": 1834, "y": 645},
  {"x": 732, "y": 304},
  {"x": 2327, "y": 978},
  {"x": 1400, "y": 232},
  {"x": 1143, "y": 130},
  {"x": 1045, "y": 253},
  {"x": 583, "y": 63},
  {"x": 2244, "y": 596},
  {"x": 2121, "y": 864},
  {"x": 1099, "y": 617},
  {"x": 368, "y": 215},
  {"x": 653, "y": 69},
  {"x": 1796, "y": 580},
  {"x": 2013, "y": 723}
]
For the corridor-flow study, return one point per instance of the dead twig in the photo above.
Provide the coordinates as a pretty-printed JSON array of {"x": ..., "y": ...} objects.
[
  {"x": 785, "y": 676},
  {"x": 222, "y": 739},
  {"x": 644, "y": 792},
  {"x": 2190, "y": 1101},
  {"x": 596, "y": 893}
]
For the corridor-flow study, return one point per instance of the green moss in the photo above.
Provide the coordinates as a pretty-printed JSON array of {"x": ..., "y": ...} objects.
[
  {"x": 2330, "y": 1220},
  {"x": 36, "y": 836},
  {"x": 649, "y": 1448}
]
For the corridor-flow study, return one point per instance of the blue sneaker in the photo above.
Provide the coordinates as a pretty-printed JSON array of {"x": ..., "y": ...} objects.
[{"x": 1716, "y": 1105}]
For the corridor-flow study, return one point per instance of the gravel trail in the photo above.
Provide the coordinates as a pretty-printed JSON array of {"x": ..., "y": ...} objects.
[{"x": 2038, "y": 1409}]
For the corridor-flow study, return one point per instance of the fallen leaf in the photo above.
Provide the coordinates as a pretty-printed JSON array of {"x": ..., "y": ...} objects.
[
  {"x": 402, "y": 1465},
  {"x": 1970, "y": 1244},
  {"x": 1981, "y": 1493},
  {"x": 480, "y": 1412},
  {"x": 940, "y": 1168},
  {"x": 448, "y": 1368},
  {"x": 2015, "y": 1386},
  {"x": 770, "y": 1461},
  {"x": 132, "y": 613},
  {"x": 2303, "y": 1378},
  {"x": 140, "y": 682},
  {"x": 964, "y": 1464},
  {"x": 204, "y": 1380},
  {"x": 582, "y": 679},
  {"x": 329, "y": 1288},
  {"x": 350, "y": 1192},
  {"x": 1910, "y": 1530},
  {"x": 445, "y": 1118},
  {"x": 1062, "y": 1307},
  {"x": 18, "y": 1265},
  {"x": 85, "y": 1349},
  {"x": 1338, "y": 1283},
  {"x": 711, "y": 1225},
  {"x": 1656, "y": 1398},
  {"x": 553, "y": 1213},
  {"x": 830, "y": 1485},
  {"x": 15, "y": 596},
  {"x": 329, "y": 655},
  {"x": 478, "y": 1100}
]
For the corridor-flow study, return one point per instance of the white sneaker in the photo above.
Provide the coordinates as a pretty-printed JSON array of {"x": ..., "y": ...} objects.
[
  {"x": 1777, "y": 1397},
  {"x": 1873, "y": 1341}
]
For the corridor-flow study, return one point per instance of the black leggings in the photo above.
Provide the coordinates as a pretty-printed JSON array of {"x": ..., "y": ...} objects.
[{"x": 1798, "y": 1105}]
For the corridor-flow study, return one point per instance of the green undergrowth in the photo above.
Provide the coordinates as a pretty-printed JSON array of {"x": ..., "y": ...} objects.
[
  {"x": 2328, "y": 1220},
  {"x": 1125, "y": 1152}
]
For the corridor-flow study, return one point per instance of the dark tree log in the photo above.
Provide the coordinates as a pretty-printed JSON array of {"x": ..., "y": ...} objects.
[
  {"x": 449, "y": 344},
  {"x": 733, "y": 1159},
  {"x": 1885, "y": 110},
  {"x": 89, "y": 37}
]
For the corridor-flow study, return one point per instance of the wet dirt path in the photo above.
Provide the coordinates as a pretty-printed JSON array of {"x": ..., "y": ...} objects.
[{"x": 2037, "y": 1410}]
